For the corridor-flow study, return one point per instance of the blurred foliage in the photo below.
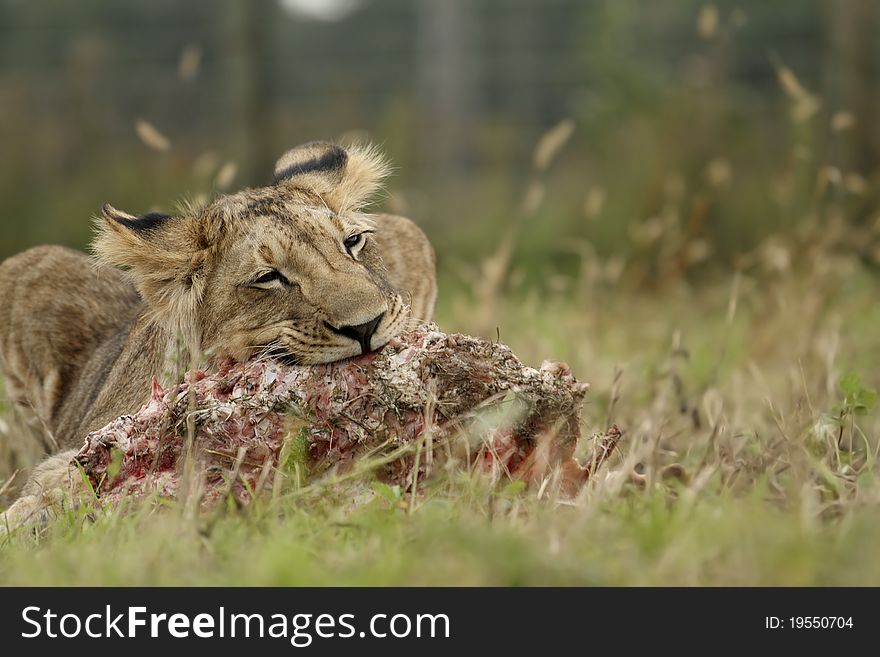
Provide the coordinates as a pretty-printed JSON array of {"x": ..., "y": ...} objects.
[{"x": 700, "y": 129}]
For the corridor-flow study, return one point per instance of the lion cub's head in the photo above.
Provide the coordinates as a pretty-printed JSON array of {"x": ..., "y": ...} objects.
[{"x": 289, "y": 270}]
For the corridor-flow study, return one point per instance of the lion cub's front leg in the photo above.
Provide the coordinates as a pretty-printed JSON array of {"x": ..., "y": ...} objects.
[{"x": 54, "y": 483}]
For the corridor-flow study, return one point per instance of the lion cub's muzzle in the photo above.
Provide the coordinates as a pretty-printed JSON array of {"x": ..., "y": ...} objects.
[{"x": 360, "y": 333}]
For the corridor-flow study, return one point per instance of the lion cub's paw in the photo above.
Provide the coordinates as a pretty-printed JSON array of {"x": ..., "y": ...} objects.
[
  {"x": 32, "y": 510},
  {"x": 54, "y": 483}
]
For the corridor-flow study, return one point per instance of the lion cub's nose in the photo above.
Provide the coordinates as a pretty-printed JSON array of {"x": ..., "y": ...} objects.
[{"x": 359, "y": 332}]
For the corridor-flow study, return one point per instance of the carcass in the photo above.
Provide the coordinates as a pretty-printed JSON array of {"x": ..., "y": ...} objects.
[{"x": 245, "y": 424}]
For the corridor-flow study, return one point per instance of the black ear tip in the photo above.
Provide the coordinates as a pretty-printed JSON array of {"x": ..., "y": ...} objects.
[
  {"x": 145, "y": 222},
  {"x": 148, "y": 222},
  {"x": 316, "y": 156}
]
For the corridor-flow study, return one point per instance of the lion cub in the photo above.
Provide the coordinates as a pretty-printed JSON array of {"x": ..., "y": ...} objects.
[{"x": 295, "y": 270}]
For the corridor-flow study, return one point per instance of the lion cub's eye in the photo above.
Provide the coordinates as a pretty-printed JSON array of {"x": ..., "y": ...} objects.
[
  {"x": 355, "y": 242},
  {"x": 272, "y": 278}
]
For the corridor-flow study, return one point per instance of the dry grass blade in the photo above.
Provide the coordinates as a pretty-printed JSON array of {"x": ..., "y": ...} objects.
[
  {"x": 150, "y": 136},
  {"x": 841, "y": 121},
  {"x": 190, "y": 62},
  {"x": 804, "y": 103},
  {"x": 226, "y": 176},
  {"x": 707, "y": 21},
  {"x": 551, "y": 143}
]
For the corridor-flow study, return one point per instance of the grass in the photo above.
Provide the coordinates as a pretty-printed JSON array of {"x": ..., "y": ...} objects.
[{"x": 749, "y": 457}]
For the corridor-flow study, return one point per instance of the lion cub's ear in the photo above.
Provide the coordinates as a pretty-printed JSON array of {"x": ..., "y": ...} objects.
[
  {"x": 344, "y": 178},
  {"x": 161, "y": 256},
  {"x": 137, "y": 243}
]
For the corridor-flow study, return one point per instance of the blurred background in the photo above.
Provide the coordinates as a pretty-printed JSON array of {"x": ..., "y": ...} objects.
[{"x": 641, "y": 141}]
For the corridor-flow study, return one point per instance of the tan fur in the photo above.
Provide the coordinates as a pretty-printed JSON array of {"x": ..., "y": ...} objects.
[{"x": 81, "y": 339}]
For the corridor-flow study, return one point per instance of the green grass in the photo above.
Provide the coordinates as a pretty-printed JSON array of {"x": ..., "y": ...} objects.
[{"x": 734, "y": 469}]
